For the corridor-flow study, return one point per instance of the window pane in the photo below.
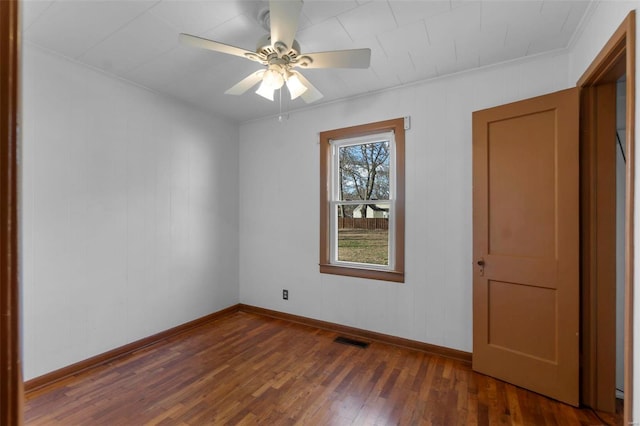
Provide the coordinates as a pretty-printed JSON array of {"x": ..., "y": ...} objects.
[
  {"x": 363, "y": 233},
  {"x": 364, "y": 171}
]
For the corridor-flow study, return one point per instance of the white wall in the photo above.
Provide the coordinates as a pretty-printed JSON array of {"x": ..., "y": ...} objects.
[
  {"x": 130, "y": 213},
  {"x": 279, "y": 224}
]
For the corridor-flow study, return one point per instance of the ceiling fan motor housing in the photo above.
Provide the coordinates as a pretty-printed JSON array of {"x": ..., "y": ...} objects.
[{"x": 278, "y": 50}]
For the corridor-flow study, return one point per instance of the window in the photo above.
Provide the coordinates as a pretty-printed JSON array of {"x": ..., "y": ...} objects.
[{"x": 362, "y": 201}]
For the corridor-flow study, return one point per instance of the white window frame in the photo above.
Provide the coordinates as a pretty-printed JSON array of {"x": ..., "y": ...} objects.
[{"x": 335, "y": 201}]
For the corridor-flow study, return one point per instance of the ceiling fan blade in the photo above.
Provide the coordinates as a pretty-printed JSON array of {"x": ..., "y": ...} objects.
[
  {"x": 284, "y": 16},
  {"x": 311, "y": 94},
  {"x": 353, "y": 58},
  {"x": 246, "y": 83},
  {"x": 215, "y": 46}
]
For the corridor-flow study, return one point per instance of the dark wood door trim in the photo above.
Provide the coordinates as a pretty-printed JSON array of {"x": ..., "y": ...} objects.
[
  {"x": 10, "y": 367},
  {"x": 616, "y": 59},
  {"x": 598, "y": 250}
]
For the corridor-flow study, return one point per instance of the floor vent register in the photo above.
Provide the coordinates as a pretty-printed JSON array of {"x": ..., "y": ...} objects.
[{"x": 348, "y": 341}]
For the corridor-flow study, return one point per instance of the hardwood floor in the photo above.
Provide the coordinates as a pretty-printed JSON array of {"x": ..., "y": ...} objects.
[{"x": 249, "y": 369}]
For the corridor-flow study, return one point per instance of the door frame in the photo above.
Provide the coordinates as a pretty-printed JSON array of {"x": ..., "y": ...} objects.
[
  {"x": 11, "y": 389},
  {"x": 616, "y": 59}
]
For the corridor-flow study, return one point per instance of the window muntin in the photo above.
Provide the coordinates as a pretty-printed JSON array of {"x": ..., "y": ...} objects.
[{"x": 337, "y": 240}]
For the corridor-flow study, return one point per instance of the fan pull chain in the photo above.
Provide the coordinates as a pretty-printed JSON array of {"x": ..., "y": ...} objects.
[
  {"x": 280, "y": 99},
  {"x": 281, "y": 117}
]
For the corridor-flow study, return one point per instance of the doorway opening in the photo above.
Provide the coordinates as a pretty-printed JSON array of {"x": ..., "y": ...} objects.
[
  {"x": 607, "y": 149},
  {"x": 621, "y": 128}
]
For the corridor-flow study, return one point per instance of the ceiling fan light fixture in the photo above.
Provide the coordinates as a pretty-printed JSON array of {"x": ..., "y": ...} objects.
[
  {"x": 295, "y": 86},
  {"x": 265, "y": 91},
  {"x": 272, "y": 79}
]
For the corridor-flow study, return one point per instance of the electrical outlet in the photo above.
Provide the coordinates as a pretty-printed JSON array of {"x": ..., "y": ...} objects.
[{"x": 285, "y": 294}]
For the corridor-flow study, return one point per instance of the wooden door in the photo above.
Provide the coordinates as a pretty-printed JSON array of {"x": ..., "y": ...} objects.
[{"x": 526, "y": 244}]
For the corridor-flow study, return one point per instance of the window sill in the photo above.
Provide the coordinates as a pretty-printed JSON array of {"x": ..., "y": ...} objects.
[{"x": 372, "y": 274}]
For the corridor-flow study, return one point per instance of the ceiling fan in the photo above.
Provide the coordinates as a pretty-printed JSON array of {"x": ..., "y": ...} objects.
[{"x": 280, "y": 53}]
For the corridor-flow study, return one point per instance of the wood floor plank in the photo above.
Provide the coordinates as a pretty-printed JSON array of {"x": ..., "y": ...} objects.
[{"x": 247, "y": 369}]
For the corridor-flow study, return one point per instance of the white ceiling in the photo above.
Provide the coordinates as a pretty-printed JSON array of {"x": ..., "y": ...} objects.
[{"x": 410, "y": 41}]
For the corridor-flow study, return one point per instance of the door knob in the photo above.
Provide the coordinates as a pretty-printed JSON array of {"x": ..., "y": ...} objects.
[{"x": 481, "y": 266}]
